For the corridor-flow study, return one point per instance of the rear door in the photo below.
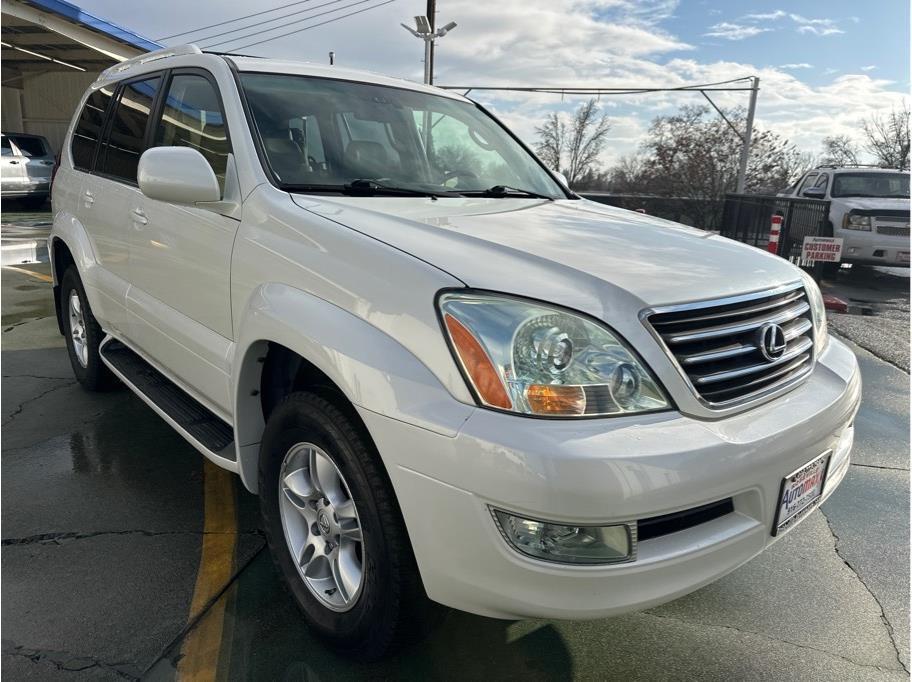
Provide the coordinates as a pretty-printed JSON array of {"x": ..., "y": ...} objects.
[
  {"x": 180, "y": 256},
  {"x": 110, "y": 193},
  {"x": 37, "y": 160}
]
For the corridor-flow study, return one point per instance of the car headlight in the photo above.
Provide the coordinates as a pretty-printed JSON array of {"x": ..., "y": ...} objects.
[
  {"x": 818, "y": 311},
  {"x": 536, "y": 359},
  {"x": 857, "y": 222}
]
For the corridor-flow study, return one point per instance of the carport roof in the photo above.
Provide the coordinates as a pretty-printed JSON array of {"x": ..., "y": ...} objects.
[
  {"x": 39, "y": 36},
  {"x": 79, "y": 16}
]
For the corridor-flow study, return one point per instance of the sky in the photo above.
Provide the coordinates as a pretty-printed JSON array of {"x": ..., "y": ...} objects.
[{"x": 823, "y": 65}]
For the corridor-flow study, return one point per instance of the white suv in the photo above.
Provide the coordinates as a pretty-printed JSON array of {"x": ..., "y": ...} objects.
[
  {"x": 449, "y": 379},
  {"x": 869, "y": 210}
]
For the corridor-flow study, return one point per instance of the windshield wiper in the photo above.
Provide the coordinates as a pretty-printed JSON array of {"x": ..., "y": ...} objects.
[
  {"x": 365, "y": 186},
  {"x": 502, "y": 191}
]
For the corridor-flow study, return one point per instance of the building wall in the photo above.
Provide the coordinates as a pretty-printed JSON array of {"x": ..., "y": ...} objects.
[
  {"x": 46, "y": 102},
  {"x": 10, "y": 109}
]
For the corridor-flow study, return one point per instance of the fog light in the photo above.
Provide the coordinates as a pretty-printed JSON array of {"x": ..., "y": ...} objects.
[{"x": 568, "y": 544}]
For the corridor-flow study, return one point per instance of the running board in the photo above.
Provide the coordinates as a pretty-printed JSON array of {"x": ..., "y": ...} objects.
[{"x": 203, "y": 429}]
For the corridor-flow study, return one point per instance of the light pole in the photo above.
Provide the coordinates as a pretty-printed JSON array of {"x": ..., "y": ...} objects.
[{"x": 424, "y": 31}]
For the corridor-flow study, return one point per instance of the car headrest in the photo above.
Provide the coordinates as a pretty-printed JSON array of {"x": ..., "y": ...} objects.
[
  {"x": 280, "y": 145},
  {"x": 366, "y": 159}
]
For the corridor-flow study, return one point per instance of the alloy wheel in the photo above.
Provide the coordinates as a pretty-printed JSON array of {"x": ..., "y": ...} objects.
[{"x": 321, "y": 525}]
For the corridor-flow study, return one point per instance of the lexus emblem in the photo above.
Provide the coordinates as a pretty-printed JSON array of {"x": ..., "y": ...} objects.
[{"x": 772, "y": 341}]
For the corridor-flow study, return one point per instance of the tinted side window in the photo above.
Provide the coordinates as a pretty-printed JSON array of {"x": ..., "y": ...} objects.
[
  {"x": 192, "y": 117},
  {"x": 88, "y": 130},
  {"x": 32, "y": 146},
  {"x": 126, "y": 139},
  {"x": 6, "y": 146}
]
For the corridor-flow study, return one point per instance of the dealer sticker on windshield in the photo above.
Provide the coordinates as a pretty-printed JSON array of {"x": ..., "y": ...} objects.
[{"x": 800, "y": 493}]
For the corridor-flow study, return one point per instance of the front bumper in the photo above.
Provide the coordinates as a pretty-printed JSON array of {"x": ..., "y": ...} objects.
[
  {"x": 603, "y": 471},
  {"x": 874, "y": 249}
]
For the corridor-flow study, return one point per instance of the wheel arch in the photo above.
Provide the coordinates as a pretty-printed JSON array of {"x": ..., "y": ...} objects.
[{"x": 290, "y": 340}]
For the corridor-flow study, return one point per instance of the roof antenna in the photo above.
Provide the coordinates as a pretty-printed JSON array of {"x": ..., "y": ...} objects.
[{"x": 332, "y": 57}]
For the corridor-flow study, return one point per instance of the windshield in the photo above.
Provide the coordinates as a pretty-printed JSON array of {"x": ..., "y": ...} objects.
[
  {"x": 326, "y": 134},
  {"x": 894, "y": 185}
]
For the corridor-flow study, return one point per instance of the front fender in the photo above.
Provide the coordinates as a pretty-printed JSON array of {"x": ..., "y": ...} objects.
[
  {"x": 68, "y": 230},
  {"x": 372, "y": 369}
]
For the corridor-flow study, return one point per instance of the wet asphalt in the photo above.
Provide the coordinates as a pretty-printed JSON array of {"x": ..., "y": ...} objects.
[{"x": 104, "y": 527}]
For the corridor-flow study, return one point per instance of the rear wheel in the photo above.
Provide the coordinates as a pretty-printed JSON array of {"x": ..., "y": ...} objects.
[
  {"x": 83, "y": 334},
  {"x": 335, "y": 530}
]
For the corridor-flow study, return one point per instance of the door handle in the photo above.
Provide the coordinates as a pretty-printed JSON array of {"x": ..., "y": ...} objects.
[
  {"x": 88, "y": 198},
  {"x": 14, "y": 163},
  {"x": 139, "y": 217}
]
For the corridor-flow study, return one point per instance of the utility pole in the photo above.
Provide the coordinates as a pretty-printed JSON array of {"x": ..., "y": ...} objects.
[
  {"x": 429, "y": 53},
  {"x": 745, "y": 149}
]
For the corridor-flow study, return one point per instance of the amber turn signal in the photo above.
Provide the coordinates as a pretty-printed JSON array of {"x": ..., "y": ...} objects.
[
  {"x": 477, "y": 364},
  {"x": 555, "y": 399}
]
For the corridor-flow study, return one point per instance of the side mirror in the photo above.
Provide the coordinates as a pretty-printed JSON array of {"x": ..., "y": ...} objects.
[
  {"x": 814, "y": 193},
  {"x": 179, "y": 175},
  {"x": 562, "y": 178}
]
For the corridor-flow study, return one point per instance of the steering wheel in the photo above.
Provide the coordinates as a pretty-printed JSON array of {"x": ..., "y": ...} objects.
[{"x": 466, "y": 174}]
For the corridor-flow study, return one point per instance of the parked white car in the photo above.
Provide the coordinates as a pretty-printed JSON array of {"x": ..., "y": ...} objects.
[
  {"x": 449, "y": 379},
  {"x": 869, "y": 210},
  {"x": 26, "y": 167}
]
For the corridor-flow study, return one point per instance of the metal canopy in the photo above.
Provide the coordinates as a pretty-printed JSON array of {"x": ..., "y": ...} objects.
[{"x": 39, "y": 36}]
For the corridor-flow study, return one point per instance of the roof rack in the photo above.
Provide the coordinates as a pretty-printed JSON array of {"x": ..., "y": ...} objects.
[
  {"x": 128, "y": 64},
  {"x": 853, "y": 165}
]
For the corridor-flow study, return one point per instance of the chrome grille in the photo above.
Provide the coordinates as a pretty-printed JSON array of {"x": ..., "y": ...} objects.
[
  {"x": 893, "y": 230},
  {"x": 717, "y": 344}
]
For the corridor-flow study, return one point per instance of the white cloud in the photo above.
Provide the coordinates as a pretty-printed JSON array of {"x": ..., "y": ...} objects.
[
  {"x": 792, "y": 67},
  {"x": 731, "y": 31},
  {"x": 768, "y": 16},
  {"x": 869, "y": 67},
  {"x": 812, "y": 26},
  {"x": 819, "y": 30}
]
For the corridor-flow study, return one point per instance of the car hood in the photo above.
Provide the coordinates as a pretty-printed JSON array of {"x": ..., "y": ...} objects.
[
  {"x": 869, "y": 203},
  {"x": 568, "y": 251}
]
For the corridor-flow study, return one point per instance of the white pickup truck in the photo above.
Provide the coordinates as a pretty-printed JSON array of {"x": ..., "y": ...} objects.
[
  {"x": 869, "y": 210},
  {"x": 449, "y": 379}
]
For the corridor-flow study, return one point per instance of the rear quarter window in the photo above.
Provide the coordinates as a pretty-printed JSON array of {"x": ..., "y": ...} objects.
[{"x": 89, "y": 128}]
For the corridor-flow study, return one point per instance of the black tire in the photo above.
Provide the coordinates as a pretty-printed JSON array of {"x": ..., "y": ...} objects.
[
  {"x": 392, "y": 607},
  {"x": 94, "y": 375}
]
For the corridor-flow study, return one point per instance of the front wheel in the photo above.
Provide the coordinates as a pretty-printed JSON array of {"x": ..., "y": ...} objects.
[{"x": 335, "y": 530}]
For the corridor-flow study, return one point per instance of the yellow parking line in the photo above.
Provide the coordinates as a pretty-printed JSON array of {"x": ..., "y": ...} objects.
[
  {"x": 200, "y": 651},
  {"x": 36, "y": 275}
]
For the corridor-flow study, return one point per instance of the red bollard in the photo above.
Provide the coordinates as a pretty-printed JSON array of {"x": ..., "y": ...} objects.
[{"x": 773, "y": 244}]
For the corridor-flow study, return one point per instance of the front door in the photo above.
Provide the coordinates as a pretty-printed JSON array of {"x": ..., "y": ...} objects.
[
  {"x": 12, "y": 169},
  {"x": 180, "y": 256}
]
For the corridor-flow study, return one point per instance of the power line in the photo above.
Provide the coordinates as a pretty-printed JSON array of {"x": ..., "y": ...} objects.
[
  {"x": 231, "y": 21},
  {"x": 307, "y": 28},
  {"x": 267, "y": 21},
  {"x": 290, "y": 23},
  {"x": 595, "y": 90}
]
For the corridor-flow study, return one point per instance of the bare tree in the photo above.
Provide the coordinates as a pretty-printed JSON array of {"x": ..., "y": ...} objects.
[
  {"x": 552, "y": 136},
  {"x": 692, "y": 158},
  {"x": 839, "y": 150},
  {"x": 887, "y": 137},
  {"x": 573, "y": 150}
]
